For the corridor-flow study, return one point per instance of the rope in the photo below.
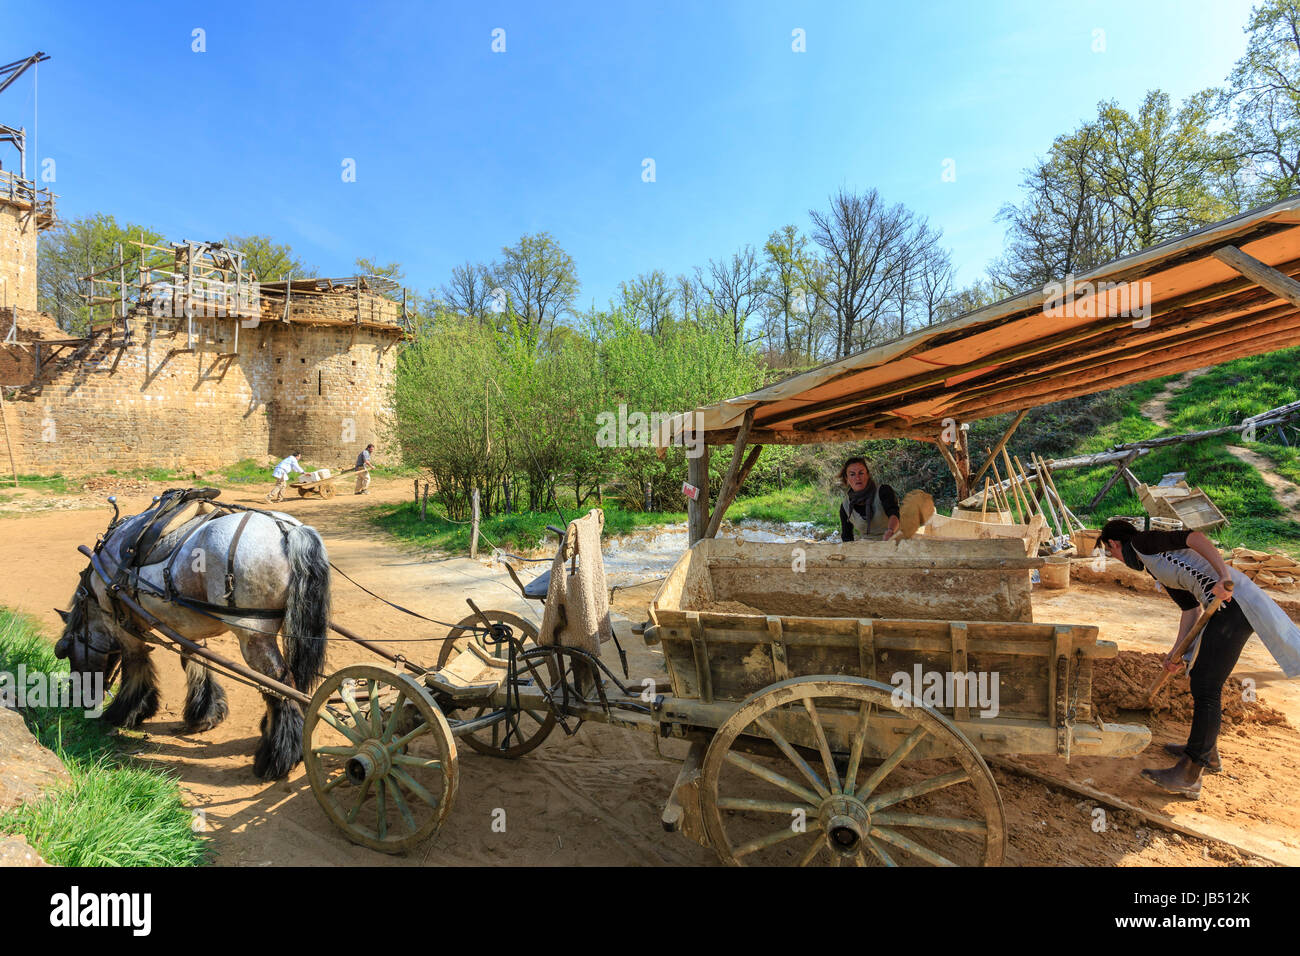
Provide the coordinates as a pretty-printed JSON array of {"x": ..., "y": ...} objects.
[{"x": 404, "y": 610}]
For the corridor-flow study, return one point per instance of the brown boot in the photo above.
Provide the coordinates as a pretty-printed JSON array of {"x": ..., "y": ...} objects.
[
  {"x": 1213, "y": 765},
  {"x": 1183, "y": 778}
]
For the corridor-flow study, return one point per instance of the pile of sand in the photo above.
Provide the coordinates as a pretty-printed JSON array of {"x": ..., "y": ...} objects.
[
  {"x": 1118, "y": 684},
  {"x": 728, "y": 607}
]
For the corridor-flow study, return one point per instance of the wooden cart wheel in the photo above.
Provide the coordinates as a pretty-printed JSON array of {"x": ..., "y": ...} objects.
[
  {"x": 837, "y": 784},
  {"x": 380, "y": 757},
  {"x": 527, "y": 729},
  {"x": 327, "y": 491}
]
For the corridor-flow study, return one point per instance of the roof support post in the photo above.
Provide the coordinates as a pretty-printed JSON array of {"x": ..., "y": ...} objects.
[
  {"x": 731, "y": 483},
  {"x": 949, "y": 460},
  {"x": 998, "y": 447},
  {"x": 729, "y": 491},
  {"x": 697, "y": 510},
  {"x": 957, "y": 458},
  {"x": 964, "y": 481}
]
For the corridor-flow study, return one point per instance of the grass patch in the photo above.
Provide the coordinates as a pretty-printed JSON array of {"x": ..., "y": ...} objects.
[
  {"x": 527, "y": 530},
  {"x": 55, "y": 484},
  {"x": 1224, "y": 395},
  {"x": 114, "y": 812},
  {"x": 244, "y": 471},
  {"x": 803, "y": 502},
  {"x": 1286, "y": 460}
]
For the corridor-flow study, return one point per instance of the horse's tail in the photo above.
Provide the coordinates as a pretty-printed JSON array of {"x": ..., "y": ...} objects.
[{"x": 307, "y": 608}]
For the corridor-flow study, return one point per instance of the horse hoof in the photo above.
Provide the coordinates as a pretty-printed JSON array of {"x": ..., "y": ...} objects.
[
  {"x": 202, "y": 726},
  {"x": 270, "y": 770}
]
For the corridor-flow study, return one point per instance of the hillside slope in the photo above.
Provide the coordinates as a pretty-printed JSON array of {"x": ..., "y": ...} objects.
[{"x": 1254, "y": 484}]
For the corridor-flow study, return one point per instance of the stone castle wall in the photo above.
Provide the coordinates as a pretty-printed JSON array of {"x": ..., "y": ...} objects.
[
  {"x": 17, "y": 257},
  {"x": 322, "y": 389}
]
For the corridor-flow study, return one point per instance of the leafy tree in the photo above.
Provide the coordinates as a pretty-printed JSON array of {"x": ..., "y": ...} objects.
[
  {"x": 648, "y": 300},
  {"x": 1119, "y": 183},
  {"x": 270, "y": 261},
  {"x": 391, "y": 270},
  {"x": 1262, "y": 100},
  {"x": 539, "y": 279},
  {"x": 79, "y": 247}
]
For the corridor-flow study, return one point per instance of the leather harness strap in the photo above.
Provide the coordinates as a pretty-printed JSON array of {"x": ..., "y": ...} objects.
[
  {"x": 230, "y": 559},
  {"x": 127, "y": 575}
]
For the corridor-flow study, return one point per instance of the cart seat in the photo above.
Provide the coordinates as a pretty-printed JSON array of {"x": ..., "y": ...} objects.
[
  {"x": 540, "y": 586},
  {"x": 536, "y": 588},
  {"x": 471, "y": 675}
]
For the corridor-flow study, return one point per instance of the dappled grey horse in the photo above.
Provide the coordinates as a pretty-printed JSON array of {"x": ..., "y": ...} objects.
[{"x": 275, "y": 582}]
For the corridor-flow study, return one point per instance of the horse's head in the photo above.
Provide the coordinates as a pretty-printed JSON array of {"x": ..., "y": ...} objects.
[{"x": 89, "y": 640}]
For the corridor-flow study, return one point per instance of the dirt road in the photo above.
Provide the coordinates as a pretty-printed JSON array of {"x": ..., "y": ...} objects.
[{"x": 596, "y": 798}]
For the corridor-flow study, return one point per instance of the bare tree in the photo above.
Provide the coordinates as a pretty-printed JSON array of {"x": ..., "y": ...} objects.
[
  {"x": 689, "y": 297},
  {"x": 860, "y": 235},
  {"x": 735, "y": 287},
  {"x": 468, "y": 290},
  {"x": 935, "y": 280}
]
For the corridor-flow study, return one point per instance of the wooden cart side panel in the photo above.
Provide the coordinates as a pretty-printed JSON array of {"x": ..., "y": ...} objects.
[
  {"x": 1037, "y": 672},
  {"x": 687, "y": 585}
]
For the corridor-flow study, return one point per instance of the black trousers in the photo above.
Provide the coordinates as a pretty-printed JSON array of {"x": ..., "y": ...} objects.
[{"x": 1221, "y": 645}]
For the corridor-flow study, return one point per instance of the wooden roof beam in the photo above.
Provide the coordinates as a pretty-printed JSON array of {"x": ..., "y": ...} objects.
[
  {"x": 1037, "y": 367},
  {"x": 1279, "y": 283},
  {"x": 1215, "y": 354},
  {"x": 1237, "y": 328}
]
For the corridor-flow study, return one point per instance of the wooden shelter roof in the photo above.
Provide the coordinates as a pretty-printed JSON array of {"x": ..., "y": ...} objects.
[{"x": 1222, "y": 292}]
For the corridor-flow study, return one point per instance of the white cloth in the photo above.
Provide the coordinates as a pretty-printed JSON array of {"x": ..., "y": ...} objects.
[
  {"x": 577, "y": 603},
  {"x": 288, "y": 466}
]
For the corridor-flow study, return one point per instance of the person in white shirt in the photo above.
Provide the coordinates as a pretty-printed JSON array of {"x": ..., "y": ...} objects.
[
  {"x": 363, "y": 470},
  {"x": 287, "y": 467}
]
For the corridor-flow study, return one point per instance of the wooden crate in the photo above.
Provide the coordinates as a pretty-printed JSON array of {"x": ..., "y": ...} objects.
[{"x": 1191, "y": 506}]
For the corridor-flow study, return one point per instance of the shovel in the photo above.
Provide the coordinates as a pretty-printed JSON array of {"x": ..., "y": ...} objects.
[{"x": 1181, "y": 648}]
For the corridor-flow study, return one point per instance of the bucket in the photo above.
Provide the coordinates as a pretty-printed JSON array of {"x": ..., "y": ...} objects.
[
  {"x": 1055, "y": 572},
  {"x": 1084, "y": 542}
]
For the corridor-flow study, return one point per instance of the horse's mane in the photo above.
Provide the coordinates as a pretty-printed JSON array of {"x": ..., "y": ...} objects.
[{"x": 77, "y": 610}]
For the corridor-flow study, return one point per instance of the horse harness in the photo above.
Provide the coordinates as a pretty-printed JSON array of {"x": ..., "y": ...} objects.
[{"x": 161, "y": 533}]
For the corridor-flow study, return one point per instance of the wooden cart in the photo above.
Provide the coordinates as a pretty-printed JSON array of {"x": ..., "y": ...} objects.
[
  {"x": 322, "y": 488},
  {"x": 786, "y": 672}
]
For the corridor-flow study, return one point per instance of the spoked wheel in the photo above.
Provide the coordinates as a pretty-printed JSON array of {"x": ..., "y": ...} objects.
[
  {"x": 327, "y": 491},
  {"x": 380, "y": 757},
  {"x": 522, "y": 730},
  {"x": 843, "y": 784}
]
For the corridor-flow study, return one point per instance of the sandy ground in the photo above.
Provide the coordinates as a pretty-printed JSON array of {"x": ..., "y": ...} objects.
[{"x": 596, "y": 797}]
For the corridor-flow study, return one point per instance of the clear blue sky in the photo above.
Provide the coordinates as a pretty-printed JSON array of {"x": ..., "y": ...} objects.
[{"x": 460, "y": 150}]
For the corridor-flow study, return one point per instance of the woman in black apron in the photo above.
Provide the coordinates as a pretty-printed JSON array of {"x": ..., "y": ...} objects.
[
  {"x": 1192, "y": 572},
  {"x": 867, "y": 510}
]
